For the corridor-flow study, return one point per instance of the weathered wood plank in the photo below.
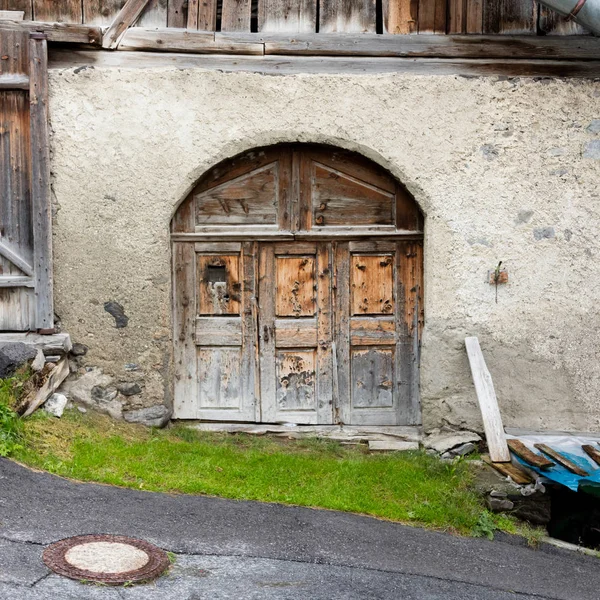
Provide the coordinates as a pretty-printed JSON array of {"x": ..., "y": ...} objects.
[
  {"x": 207, "y": 15},
  {"x": 11, "y": 281},
  {"x": 64, "y": 11},
  {"x": 218, "y": 284},
  {"x": 347, "y": 16},
  {"x": 372, "y": 332},
  {"x": 235, "y": 15},
  {"x": 324, "y": 372},
  {"x": 153, "y": 15},
  {"x": 13, "y": 256},
  {"x": 226, "y": 331},
  {"x": 250, "y": 349},
  {"x": 295, "y": 333},
  {"x": 282, "y": 65},
  {"x": 509, "y": 16},
  {"x": 185, "y": 405},
  {"x": 342, "y": 410},
  {"x": 490, "y": 413},
  {"x": 11, "y": 81},
  {"x": 552, "y": 23},
  {"x": 522, "y": 451},
  {"x": 125, "y": 18},
  {"x": 465, "y": 16},
  {"x": 17, "y": 6},
  {"x": 592, "y": 452},
  {"x": 372, "y": 284},
  {"x": 561, "y": 460},
  {"x": 101, "y": 12},
  {"x": 400, "y": 16},
  {"x": 432, "y": 16},
  {"x": 11, "y": 15},
  {"x": 177, "y": 14},
  {"x": 293, "y": 16},
  {"x": 40, "y": 182},
  {"x": 58, "y": 32},
  {"x": 266, "y": 332},
  {"x": 295, "y": 280},
  {"x": 55, "y": 378},
  {"x": 57, "y": 343},
  {"x": 218, "y": 247},
  {"x": 509, "y": 470},
  {"x": 182, "y": 40}
]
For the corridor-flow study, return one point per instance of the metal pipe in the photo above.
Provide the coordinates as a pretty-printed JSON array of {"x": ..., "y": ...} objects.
[{"x": 584, "y": 12}]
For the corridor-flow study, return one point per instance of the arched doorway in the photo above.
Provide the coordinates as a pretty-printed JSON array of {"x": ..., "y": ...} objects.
[{"x": 297, "y": 278}]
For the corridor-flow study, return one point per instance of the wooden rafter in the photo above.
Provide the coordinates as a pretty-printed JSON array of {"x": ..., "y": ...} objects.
[
  {"x": 15, "y": 259},
  {"x": 125, "y": 18}
]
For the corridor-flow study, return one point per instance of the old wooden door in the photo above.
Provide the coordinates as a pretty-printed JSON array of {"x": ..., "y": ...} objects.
[
  {"x": 295, "y": 333},
  {"x": 297, "y": 283}
]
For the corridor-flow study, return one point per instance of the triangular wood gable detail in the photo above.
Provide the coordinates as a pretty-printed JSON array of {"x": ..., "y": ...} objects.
[{"x": 25, "y": 213}]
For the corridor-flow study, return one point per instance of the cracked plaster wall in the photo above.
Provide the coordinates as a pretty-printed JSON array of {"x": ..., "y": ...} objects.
[{"x": 504, "y": 169}]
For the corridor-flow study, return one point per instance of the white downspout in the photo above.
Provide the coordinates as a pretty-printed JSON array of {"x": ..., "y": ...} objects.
[{"x": 585, "y": 12}]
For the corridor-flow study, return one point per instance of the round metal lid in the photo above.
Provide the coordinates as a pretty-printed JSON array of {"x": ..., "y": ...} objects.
[{"x": 108, "y": 559}]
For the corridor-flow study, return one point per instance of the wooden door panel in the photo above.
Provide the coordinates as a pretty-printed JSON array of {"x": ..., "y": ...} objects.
[
  {"x": 296, "y": 381},
  {"x": 221, "y": 280},
  {"x": 295, "y": 333},
  {"x": 373, "y": 376},
  {"x": 295, "y": 291},
  {"x": 219, "y": 287},
  {"x": 339, "y": 199},
  {"x": 220, "y": 378},
  {"x": 372, "y": 281},
  {"x": 375, "y": 353}
]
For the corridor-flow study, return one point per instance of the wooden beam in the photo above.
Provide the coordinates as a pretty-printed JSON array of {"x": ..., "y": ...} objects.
[
  {"x": 423, "y": 46},
  {"x": 400, "y": 16},
  {"x": 40, "y": 181},
  {"x": 15, "y": 259},
  {"x": 58, "y": 32},
  {"x": 16, "y": 281},
  {"x": 55, "y": 378},
  {"x": 509, "y": 470},
  {"x": 592, "y": 452},
  {"x": 490, "y": 412},
  {"x": 14, "y": 82},
  {"x": 183, "y": 40},
  {"x": 12, "y": 15},
  {"x": 61, "y": 58},
  {"x": 522, "y": 451},
  {"x": 125, "y": 18},
  {"x": 561, "y": 460}
]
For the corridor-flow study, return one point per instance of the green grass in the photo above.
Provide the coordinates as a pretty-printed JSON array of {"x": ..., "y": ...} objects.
[
  {"x": 11, "y": 426},
  {"x": 410, "y": 487}
]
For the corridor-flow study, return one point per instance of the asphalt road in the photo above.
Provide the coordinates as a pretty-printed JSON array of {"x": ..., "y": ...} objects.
[{"x": 248, "y": 550}]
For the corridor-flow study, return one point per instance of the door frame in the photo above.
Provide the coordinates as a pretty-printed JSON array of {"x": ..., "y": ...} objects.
[{"x": 294, "y": 224}]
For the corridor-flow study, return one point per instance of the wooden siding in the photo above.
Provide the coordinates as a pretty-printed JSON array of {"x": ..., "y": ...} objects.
[{"x": 314, "y": 16}]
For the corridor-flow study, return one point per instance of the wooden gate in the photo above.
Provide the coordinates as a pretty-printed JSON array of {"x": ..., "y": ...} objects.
[
  {"x": 297, "y": 286},
  {"x": 25, "y": 215}
]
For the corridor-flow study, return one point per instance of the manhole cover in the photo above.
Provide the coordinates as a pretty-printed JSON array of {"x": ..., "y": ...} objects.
[{"x": 110, "y": 559}]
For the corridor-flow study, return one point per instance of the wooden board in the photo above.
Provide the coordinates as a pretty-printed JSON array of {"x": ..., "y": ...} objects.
[
  {"x": 153, "y": 15},
  {"x": 592, "y": 452},
  {"x": 124, "y": 19},
  {"x": 400, "y": 16},
  {"x": 509, "y": 470},
  {"x": 432, "y": 16},
  {"x": 18, "y": 5},
  {"x": 372, "y": 284},
  {"x": 62, "y": 11},
  {"x": 522, "y": 451},
  {"x": 293, "y": 16},
  {"x": 101, "y": 12},
  {"x": 40, "y": 183},
  {"x": 235, "y": 15},
  {"x": 347, "y": 16},
  {"x": 488, "y": 404},
  {"x": 465, "y": 16},
  {"x": 295, "y": 286},
  {"x": 552, "y": 23},
  {"x": 509, "y": 16},
  {"x": 219, "y": 286},
  {"x": 561, "y": 460}
]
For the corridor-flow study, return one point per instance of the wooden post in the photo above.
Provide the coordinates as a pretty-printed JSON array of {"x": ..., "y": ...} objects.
[
  {"x": 125, "y": 18},
  {"x": 40, "y": 182},
  {"x": 492, "y": 420}
]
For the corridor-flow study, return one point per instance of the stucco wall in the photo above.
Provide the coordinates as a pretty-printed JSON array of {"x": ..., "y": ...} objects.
[{"x": 503, "y": 169}]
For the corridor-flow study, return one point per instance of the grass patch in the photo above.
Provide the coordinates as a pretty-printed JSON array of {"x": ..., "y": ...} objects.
[
  {"x": 410, "y": 487},
  {"x": 11, "y": 426}
]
